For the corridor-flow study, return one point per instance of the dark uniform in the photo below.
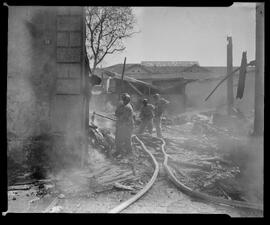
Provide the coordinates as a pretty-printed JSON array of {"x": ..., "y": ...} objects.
[
  {"x": 160, "y": 106},
  {"x": 124, "y": 127},
  {"x": 146, "y": 116}
]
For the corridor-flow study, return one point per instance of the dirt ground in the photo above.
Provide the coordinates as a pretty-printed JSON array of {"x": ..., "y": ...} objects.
[
  {"x": 71, "y": 191},
  {"x": 163, "y": 197}
]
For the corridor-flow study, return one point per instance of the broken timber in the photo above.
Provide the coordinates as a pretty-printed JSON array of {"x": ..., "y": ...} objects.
[
  {"x": 200, "y": 195},
  {"x": 225, "y": 78}
]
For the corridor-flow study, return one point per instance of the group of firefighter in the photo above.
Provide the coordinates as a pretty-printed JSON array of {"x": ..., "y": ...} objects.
[{"x": 150, "y": 115}]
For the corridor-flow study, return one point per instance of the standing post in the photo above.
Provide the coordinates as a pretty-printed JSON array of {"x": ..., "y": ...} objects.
[
  {"x": 230, "y": 79},
  {"x": 259, "y": 75},
  {"x": 122, "y": 79}
]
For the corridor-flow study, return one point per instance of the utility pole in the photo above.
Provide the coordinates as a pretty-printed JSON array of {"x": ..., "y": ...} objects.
[
  {"x": 259, "y": 74},
  {"x": 230, "y": 79},
  {"x": 122, "y": 79}
]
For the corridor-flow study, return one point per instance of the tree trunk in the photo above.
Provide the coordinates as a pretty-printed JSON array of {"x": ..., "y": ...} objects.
[{"x": 259, "y": 75}]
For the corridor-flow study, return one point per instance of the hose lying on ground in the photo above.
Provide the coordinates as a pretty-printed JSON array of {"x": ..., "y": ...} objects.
[
  {"x": 127, "y": 203},
  {"x": 180, "y": 185},
  {"x": 200, "y": 195}
]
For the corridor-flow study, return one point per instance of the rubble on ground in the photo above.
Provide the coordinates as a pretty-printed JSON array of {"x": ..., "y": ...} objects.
[
  {"x": 209, "y": 155},
  {"x": 102, "y": 139},
  {"x": 196, "y": 157}
]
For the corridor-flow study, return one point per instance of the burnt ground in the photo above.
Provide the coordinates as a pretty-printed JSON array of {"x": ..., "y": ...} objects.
[
  {"x": 88, "y": 190},
  {"x": 190, "y": 143}
]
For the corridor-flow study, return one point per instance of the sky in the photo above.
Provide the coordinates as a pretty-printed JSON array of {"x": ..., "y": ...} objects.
[{"x": 190, "y": 34}]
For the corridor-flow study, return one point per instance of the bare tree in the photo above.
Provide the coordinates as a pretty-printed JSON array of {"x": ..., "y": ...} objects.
[{"x": 106, "y": 27}]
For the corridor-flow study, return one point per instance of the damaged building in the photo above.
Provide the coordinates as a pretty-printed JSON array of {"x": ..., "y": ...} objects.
[
  {"x": 185, "y": 84},
  {"x": 47, "y": 81},
  {"x": 67, "y": 144}
]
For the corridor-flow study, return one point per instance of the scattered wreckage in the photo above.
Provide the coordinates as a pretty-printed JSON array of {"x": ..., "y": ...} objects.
[{"x": 209, "y": 178}]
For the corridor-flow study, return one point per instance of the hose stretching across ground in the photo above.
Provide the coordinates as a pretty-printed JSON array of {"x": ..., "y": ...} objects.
[
  {"x": 200, "y": 195},
  {"x": 127, "y": 203},
  {"x": 180, "y": 185}
]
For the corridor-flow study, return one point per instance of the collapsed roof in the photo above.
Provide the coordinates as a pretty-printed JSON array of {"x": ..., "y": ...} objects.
[
  {"x": 115, "y": 75},
  {"x": 193, "y": 72}
]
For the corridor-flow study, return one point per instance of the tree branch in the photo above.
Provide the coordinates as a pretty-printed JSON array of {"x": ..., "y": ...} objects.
[
  {"x": 107, "y": 48},
  {"x": 99, "y": 35},
  {"x": 106, "y": 27},
  {"x": 91, "y": 41},
  {"x": 118, "y": 50}
]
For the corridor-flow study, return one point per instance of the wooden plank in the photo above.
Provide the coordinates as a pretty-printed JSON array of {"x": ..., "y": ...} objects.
[
  {"x": 122, "y": 78},
  {"x": 106, "y": 179},
  {"x": 124, "y": 187},
  {"x": 19, "y": 187},
  {"x": 229, "y": 71}
]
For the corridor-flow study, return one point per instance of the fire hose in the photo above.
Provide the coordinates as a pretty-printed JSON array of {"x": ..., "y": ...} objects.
[
  {"x": 180, "y": 185},
  {"x": 200, "y": 195},
  {"x": 130, "y": 201}
]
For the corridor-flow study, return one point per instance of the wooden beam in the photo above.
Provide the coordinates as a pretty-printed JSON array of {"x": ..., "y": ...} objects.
[
  {"x": 242, "y": 76},
  {"x": 136, "y": 89},
  {"x": 230, "y": 79},
  {"x": 225, "y": 78},
  {"x": 122, "y": 78}
]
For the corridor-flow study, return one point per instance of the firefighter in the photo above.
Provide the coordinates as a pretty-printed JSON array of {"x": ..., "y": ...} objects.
[
  {"x": 124, "y": 126},
  {"x": 160, "y": 105},
  {"x": 146, "y": 116}
]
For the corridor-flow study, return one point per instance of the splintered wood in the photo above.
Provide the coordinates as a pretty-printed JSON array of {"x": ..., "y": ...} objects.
[{"x": 112, "y": 176}]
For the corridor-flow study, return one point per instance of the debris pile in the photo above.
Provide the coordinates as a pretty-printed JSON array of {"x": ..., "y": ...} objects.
[
  {"x": 214, "y": 179},
  {"x": 130, "y": 174},
  {"x": 101, "y": 139},
  {"x": 210, "y": 123},
  {"x": 195, "y": 156},
  {"x": 209, "y": 154}
]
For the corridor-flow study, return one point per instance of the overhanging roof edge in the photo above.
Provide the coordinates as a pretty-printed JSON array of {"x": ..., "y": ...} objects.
[{"x": 127, "y": 78}]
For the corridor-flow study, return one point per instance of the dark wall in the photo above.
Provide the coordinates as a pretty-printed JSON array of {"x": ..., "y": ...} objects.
[
  {"x": 31, "y": 71},
  {"x": 44, "y": 93},
  {"x": 31, "y": 68}
]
